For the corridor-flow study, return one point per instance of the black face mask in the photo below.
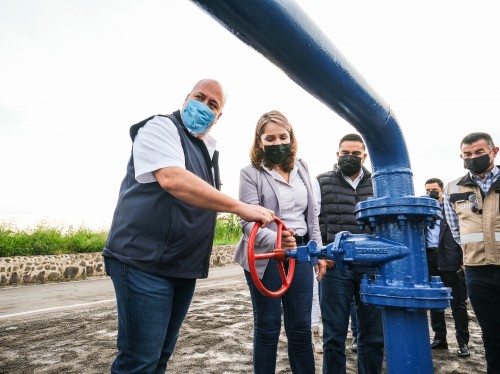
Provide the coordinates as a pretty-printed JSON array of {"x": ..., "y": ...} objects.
[
  {"x": 478, "y": 165},
  {"x": 277, "y": 153},
  {"x": 349, "y": 165},
  {"x": 434, "y": 195}
]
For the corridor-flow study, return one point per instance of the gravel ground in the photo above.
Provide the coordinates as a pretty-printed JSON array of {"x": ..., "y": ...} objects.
[{"x": 215, "y": 338}]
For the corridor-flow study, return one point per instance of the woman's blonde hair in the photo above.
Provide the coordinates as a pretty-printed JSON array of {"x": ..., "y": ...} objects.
[{"x": 257, "y": 156}]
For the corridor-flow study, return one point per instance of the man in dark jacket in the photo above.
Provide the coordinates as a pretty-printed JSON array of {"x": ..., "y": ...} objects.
[
  {"x": 445, "y": 259},
  {"x": 163, "y": 227},
  {"x": 337, "y": 193}
]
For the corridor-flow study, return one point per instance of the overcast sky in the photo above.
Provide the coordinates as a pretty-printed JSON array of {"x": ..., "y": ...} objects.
[{"x": 75, "y": 75}]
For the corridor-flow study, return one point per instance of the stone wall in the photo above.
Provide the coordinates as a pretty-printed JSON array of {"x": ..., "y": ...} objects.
[{"x": 23, "y": 270}]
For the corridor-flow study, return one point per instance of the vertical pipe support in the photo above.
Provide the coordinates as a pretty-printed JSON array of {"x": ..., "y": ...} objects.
[{"x": 286, "y": 36}]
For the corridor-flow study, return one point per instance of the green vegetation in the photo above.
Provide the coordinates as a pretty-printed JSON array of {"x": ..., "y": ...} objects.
[
  {"x": 46, "y": 240},
  {"x": 227, "y": 230}
]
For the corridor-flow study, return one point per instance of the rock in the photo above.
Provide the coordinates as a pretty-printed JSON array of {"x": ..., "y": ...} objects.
[{"x": 71, "y": 272}]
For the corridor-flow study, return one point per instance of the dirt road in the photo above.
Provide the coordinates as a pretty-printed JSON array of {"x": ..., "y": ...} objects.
[{"x": 216, "y": 337}]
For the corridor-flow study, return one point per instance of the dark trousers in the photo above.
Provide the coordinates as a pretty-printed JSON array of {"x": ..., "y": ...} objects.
[
  {"x": 295, "y": 306},
  {"x": 337, "y": 289},
  {"x": 458, "y": 303},
  {"x": 483, "y": 284}
]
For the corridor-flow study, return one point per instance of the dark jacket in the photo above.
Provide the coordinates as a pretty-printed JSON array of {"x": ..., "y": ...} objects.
[
  {"x": 156, "y": 232},
  {"x": 449, "y": 256},
  {"x": 338, "y": 201}
]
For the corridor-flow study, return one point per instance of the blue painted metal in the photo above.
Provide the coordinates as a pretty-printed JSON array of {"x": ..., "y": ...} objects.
[
  {"x": 372, "y": 254},
  {"x": 285, "y": 35}
]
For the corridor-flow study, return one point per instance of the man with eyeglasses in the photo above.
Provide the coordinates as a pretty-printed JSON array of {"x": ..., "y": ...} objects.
[{"x": 472, "y": 209}]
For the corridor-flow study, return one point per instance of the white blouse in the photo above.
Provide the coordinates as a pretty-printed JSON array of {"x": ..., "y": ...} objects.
[{"x": 292, "y": 200}]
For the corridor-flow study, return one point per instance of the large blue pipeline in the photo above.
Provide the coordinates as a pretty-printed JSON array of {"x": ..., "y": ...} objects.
[{"x": 285, "y": 35}]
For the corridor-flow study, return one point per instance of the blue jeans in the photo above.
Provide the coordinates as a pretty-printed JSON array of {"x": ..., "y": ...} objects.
[
  {"x": 151, "y": 309},
  {"x": 297, "y": 303},
  {"x": 354, "y": 319},
  {"x": 483, "y": 284},
  {"x": 337, "y": 290}
]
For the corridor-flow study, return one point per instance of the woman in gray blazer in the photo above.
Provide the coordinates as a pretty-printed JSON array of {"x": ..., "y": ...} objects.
[{"x": 279, "y": 181}]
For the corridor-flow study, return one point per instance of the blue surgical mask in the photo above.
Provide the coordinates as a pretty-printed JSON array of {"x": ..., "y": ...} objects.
[{"x": 197, "y": 117}]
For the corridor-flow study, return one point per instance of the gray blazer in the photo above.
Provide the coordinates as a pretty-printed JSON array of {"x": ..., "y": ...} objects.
[{"x": 259, "y": 188}]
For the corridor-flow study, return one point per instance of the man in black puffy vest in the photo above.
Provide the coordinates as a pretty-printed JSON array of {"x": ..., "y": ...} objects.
[
  {"x": 445, "y": 259},
  {"x": 338, "y": 192},
  {"x": 163, "y": 227}
]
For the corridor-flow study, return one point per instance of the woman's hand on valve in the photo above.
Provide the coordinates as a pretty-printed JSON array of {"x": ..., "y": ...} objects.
[{"x": 288, "y": 239}]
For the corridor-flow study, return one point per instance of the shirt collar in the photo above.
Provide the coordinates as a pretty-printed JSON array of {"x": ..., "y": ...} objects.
[
  {"x": 356, "y": 180},
  {"x": 273, "y": 172},
  {"x": 492, "y": 174}
]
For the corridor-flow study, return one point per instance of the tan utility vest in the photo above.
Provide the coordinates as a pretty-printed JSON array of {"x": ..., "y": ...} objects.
[{"x": 479, "y": 220}]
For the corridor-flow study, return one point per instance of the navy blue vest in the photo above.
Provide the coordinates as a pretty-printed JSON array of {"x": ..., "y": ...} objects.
[{"x": 156, "y": 232}]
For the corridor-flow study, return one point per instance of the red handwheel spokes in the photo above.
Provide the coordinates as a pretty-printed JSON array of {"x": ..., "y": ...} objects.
[{"x": 278, "y": 254}]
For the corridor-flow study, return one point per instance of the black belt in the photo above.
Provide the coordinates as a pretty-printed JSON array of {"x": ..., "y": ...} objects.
[
  {"x": 301, "y": 240},
  {"x": 432, "y": 249}
]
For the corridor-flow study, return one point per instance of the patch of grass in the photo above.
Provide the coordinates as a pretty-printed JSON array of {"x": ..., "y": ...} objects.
[
  {"x": 46, "y": 240},
  {"x": 227, "y": 229}
]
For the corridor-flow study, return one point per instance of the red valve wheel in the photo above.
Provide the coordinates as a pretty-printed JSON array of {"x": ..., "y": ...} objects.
[{"x": 278, "y": 254}]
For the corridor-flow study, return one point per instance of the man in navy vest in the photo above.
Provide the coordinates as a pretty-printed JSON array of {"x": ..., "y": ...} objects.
[{"x": 163, "y": 227}]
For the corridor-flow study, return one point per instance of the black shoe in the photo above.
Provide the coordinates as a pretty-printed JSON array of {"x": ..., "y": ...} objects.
[
  {"x": 463, "y": 350},
  {"x": 439, "y": 344}
]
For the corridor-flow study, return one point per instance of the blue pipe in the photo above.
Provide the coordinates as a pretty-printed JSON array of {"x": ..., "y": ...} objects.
[{"x": 285, "y": 35}]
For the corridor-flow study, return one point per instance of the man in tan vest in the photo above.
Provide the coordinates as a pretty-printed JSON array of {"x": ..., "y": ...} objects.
[{"x": 472, "y": 208}]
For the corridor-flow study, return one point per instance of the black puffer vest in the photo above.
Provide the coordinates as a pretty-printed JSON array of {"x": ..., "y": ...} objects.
[
  {"x": 154, "y": 231},
  {"x": 338, "y": 200}
]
